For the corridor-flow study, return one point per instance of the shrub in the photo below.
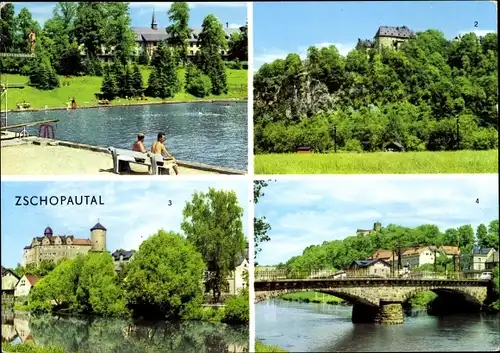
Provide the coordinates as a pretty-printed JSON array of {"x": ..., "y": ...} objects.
[{"x": 237, "y": 310}]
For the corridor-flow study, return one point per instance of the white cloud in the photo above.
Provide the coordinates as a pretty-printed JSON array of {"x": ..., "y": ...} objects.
[
  {"x": 234, "y": 25},
  {"x": 268, "y": 56},
  {"x": 478, "y": 32},
  {"x": 328, "y": 208},
  {"x": 133, "y": 211}
]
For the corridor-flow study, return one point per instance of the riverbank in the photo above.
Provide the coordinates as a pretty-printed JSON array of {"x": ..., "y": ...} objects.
[
  {"x": 135, "y": 103},
  {"x": 312, "y": 297},
  {"x": 49, "y": 157},
  {"x": 84, "y": 88},
  {"x": 378, "y": 163}
]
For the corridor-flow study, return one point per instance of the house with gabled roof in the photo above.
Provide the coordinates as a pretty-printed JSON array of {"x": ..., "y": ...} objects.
[
  {"x": 121, "y": 258},
  {"x": 374, "y": 267},
  {"x": 9, "y": 281},
  {"x": 236, "y": 279},
  {"x": 25, "y": 284}
]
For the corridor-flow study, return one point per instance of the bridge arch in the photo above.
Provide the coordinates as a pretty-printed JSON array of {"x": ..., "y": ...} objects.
[
  {"x": 337, "y": 292},
  {"x": 473, "y": 295}
]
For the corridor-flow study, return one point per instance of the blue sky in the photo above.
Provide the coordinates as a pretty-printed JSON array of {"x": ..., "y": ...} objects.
[
  {"x": 132, "y": 211},
  {"x": 291, "y": 27},
  {"x": 234, "y": 13},
  {"x": 309, "y": 212}
]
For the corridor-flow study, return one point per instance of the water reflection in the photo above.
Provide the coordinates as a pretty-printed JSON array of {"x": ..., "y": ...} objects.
[
  {"x": 327, "y": 328},
  {"x": 210, "y": 133},
  {"x": 113, "y": 336}
]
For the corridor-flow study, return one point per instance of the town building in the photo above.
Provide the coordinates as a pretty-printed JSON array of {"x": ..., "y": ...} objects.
[
  {"x": 148, "y": 38},
  {"x": 375, "y": 268},
  {"x": 492, "y": 261},
  {"x": 479, "y": 258},
  {"x": 9, "y": 281},
  {"x": 24, "y": 285},
  {"x": 377, "y": 226},
  {"x": 58, "y": 247},
  {"x": 236, "y": 279},
  {"x": 121, "y": 258}
]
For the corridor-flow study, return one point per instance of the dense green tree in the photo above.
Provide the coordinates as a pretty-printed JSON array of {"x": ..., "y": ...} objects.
[
  {"x": 238, "y": 45},
  {"x": 212, "y": 41},
  {"x": 179, "y": 31},
  {"x": 418, "y": 95},
  {"x": 7, "y": 27},
  {"x": 165, "y": 276},
  {"x": 163, "y": 81},
  {"x": 260, "y": 225},
  {"x": 98, "y": 290},
  {"x": 137, "y": 83},
  {"x": 196, "y": 83},
  {"x": 89, "y": 27},
  {"x": 109, "y": 86},
  {"x": 116, "y": 30},
  {"x": 213, "y": 223},
  {"x": 143, "y": 57}
]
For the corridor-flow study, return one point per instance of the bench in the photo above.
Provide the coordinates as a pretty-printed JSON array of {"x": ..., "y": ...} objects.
[
  {"x": 155, "y": 162},
  {"x": 122, "y": 159},
  {"x": 159, "y": 166}
]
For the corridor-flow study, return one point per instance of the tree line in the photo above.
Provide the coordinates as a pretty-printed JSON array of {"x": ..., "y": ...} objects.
[
  {"x": 339, "y": 254},
  {"x": 168, "y": 275},
  {"x": 431, "y": 94},
  {"x": 94, "y": 26}
]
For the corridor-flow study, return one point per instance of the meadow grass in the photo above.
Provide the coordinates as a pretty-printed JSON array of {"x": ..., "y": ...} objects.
[
  {"x": 83, "y": 88},
  {"x": 261, "y": 347},
  {"x": 379, "y": 163},
  {"x": 312, "y": 297}
]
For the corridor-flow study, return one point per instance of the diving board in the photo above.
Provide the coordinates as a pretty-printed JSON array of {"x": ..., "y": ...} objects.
[{"x": 29, "y": 124}]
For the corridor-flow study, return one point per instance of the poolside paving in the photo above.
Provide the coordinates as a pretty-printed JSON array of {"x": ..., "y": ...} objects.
[{"x": 22, "y": 157}]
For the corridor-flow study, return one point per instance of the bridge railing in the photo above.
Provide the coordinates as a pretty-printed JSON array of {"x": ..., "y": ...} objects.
[{"x": 284, "y": 274}]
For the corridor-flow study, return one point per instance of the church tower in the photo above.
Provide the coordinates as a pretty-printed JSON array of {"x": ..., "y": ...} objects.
[
  {"x": 154, "y": 25},
  {"x": 98, "y": 237}
]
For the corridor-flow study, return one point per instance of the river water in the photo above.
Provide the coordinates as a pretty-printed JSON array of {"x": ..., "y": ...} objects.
[
  {"x": 209, "y": 133},
  {"x": 122, "y": 336},
  {"x": 308, "y": 327}
]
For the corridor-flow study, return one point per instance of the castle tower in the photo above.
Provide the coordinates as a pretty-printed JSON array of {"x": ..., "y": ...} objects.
[
  {"x": 377, "y": 226},
  {"x": 98, "y": 237},
  {"x": 154, "y": 25}
]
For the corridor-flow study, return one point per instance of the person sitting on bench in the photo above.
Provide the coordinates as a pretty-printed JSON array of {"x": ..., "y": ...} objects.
[
  {"x": 159, "y": 148},
  {"x": 138, "y": 146}
]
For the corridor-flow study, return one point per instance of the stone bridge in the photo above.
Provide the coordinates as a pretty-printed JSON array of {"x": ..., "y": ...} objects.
[{"x": 379, "y": 300}]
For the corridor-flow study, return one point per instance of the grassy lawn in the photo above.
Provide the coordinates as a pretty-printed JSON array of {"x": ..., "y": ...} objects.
[
  {"x": 378, "y": 163},
  {"x": 31, "y": 348},
  {"x": 312, "y": 297},
  {"x": 83, "y": 89},
  {"x": 261, "y": 347}
]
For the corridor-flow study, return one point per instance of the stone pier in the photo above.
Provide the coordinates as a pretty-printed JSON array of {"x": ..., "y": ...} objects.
[{"x": 387, "y": 313}]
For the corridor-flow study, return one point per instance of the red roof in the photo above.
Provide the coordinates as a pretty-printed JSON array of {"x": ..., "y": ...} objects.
[{"x": 32, "y": 279}]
